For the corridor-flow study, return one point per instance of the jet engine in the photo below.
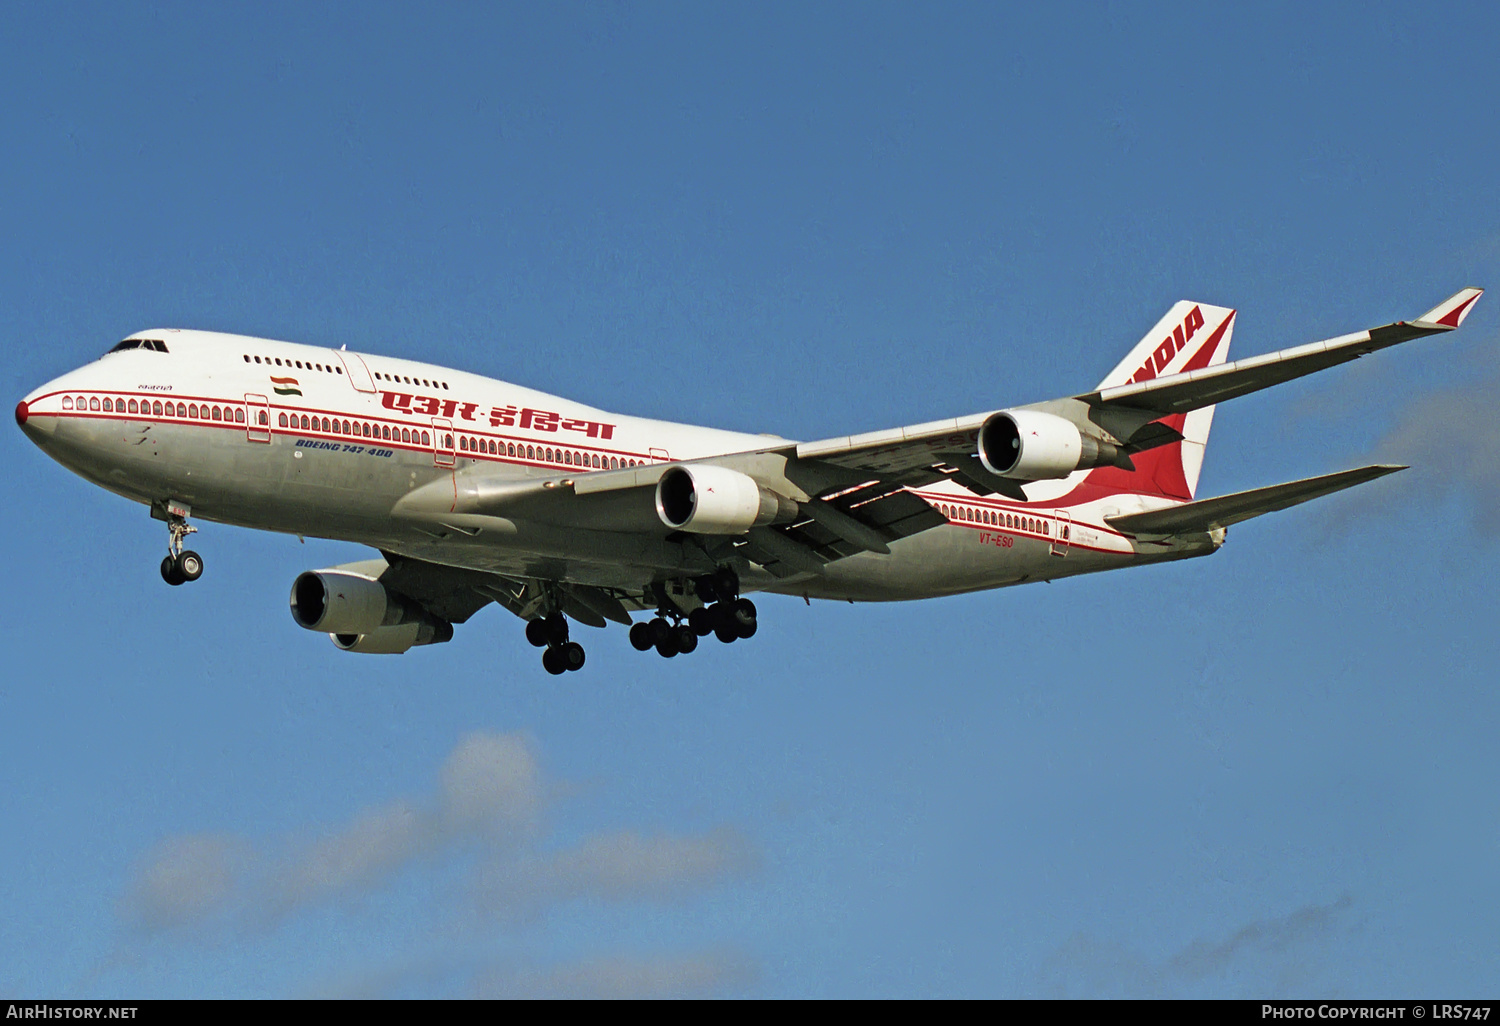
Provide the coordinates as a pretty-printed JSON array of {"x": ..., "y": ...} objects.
[
  {"x": 1033, "y": 446},
  {"x": 361, "y": 615},
  {"x": 395, "y": 640},
  {"x": 705, "y": 499}
]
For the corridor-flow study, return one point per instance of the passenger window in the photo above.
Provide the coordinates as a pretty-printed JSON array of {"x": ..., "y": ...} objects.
[
  {"x": 217, "y": 413},
  {"x": 134, "y": 408},
  {"x": 282, "y": 420},
  {"x": 109, "y": 407},
  {"x": 426, "y": 439},
  {"x": 239, "y": 415},
  {"x": 94, "y": 402},
  {"x": 463, "y": 444},
  {"x": 568, "y": 458},
  {"x": 156, "y": 409},
  {"x": 67, "y": 402},
  {"x": 193, "y": 410},
  {"x": 182, "y": 409},
  {"x": 405, "y": 435}
]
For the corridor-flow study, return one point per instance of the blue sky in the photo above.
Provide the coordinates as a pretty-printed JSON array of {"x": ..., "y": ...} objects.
[{"x": 1268, "y": 772}]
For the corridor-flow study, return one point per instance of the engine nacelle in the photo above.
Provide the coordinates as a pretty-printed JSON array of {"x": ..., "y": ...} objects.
[
  {"x": 706, "y": 499},
  {"x": 397, "y": 639},
  {"x": 1031, "y": 446}
]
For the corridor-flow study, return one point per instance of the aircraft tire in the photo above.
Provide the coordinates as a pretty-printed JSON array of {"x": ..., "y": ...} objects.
[
  {"x": 743, "y": 612},
  {"x": 170, "y": 573},
  {"x": 686, "y": 638},
  {"x": 552, "y": 662},
  {"x": 189, "y": 565},
  {"x": 726, "y": 632},
  {"x": 536, "y": 632},
  {"x": 701, "y": 620},
  {"x": 660, "y": 630},
  {"x": 557, "y": 629},
  {"x": 667, "y": 647},
  {"x": 747, "y": 630},
  {"x": 571, "y": 655},
  {"x": 640, "y": 636}
]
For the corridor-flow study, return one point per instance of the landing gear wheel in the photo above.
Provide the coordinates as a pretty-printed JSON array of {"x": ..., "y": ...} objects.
[
  {"x": 747, "y": 630},
  {"x": 640, "y": 636},
  {"x": 536, "y": 632},
  {"x": 552, "y": 662},
  {"x": 556, "y": 626},
  {"x": 667, "y": 647},
  {"x": 571, "y": 655},
  {"x": 660, "y": 630},
  {"x": 701, "y": 620},
  {"x": 685, "y": 637},
  {"x": 726, "y": 632},
  {"x": 743, "y": 612},
  {"x": 169, "y": 571},
  {"x": 189, "y": 565}
]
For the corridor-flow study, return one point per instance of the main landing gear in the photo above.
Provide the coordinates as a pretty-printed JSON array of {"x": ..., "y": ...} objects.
[
  {"x": 551, "y": 632},
  {"x": 724, "y": 615},
  {"x": 180, "y": 565}
]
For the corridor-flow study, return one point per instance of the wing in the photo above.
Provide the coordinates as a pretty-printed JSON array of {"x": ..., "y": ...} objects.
[
  {"x": 456, "y": 593},
  {"x": 1126, "y": 409},
  {"x": 1127, "y": 413}
]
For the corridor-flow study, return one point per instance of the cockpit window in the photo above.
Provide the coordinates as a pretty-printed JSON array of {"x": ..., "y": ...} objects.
[{"x": 154, "y": 344}]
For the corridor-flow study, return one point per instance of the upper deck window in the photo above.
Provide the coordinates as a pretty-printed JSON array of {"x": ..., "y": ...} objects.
[{"x": 154, "y": 344}]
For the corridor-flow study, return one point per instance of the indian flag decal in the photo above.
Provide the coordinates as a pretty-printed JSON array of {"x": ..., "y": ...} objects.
[{"x": 286, "y": 386}]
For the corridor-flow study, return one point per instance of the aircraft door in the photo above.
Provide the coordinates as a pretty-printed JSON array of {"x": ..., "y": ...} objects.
[
  {"x": 257, "y": 418},
  {"x": 357, "y": 373},
  {"x": 1062, "y": 532},
  {"x": 444, "y": 452}
]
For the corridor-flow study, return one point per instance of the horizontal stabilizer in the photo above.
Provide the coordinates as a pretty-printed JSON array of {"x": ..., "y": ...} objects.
[{"x": 1208, "y": 514}]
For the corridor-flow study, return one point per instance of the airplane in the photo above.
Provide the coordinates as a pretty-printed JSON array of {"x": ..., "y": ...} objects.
[{"x": 475, "y": 490}]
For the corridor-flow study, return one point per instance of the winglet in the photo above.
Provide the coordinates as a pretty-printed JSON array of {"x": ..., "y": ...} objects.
[{"x": 1450, "y": 313}]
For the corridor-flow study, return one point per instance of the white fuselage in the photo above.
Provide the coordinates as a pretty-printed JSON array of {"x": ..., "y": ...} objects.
[{"x": 312, "y": 441}]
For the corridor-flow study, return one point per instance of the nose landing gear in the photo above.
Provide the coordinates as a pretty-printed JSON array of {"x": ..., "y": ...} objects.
[{"x": 180, "y": 565}]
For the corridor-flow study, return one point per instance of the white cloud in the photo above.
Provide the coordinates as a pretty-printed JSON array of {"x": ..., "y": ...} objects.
[
  {"x": 184, "y": 881},
  {"x": 485, "y": 813},
  {"x": 620, "y": 976},
  {"x": 1262, "y": 957}
]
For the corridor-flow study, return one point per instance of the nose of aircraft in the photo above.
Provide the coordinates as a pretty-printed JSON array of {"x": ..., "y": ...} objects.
[{"x": 32, "y": 416}]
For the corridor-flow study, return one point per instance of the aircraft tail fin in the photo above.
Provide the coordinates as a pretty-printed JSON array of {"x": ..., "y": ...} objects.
[
  {"x": 1190, "y": 337},
  {"x": 1224, "y": 510}
]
